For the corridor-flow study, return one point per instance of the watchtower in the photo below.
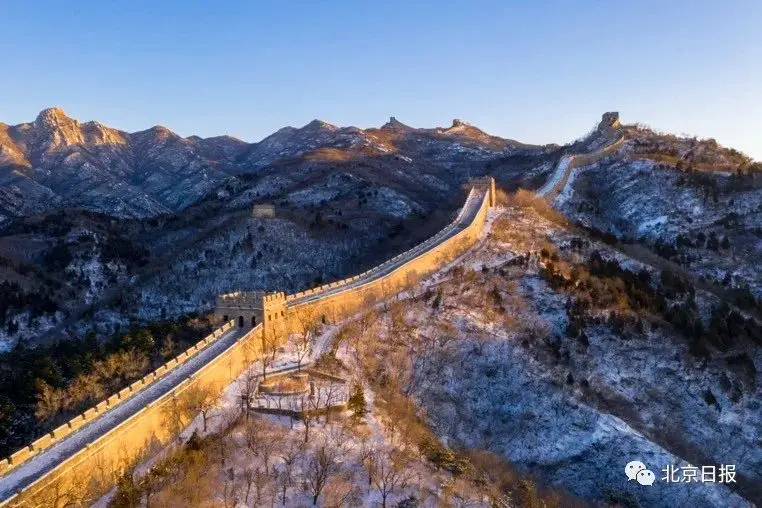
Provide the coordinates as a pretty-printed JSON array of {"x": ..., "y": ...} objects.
[
  {"x": 251, "y": 308},
  {"x": 274, "y": 314},
  {"x": 246, "y": 308},
  {"x": 263, "y": 211}
]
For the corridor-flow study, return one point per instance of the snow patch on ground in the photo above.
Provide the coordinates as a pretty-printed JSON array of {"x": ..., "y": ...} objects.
[{"x": 652, "y": 224}]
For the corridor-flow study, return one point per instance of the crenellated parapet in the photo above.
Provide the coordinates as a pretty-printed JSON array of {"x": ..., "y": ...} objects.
[
  {"x": 261, "y": 320},
  {"x": 250, "y": 308},
  {"x": 276, "y": 310}
]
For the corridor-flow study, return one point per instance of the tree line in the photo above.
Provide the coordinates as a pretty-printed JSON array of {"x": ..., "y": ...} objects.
[
  {"x": 604, "y": 284},
  {"x": 43, "y": 386}
]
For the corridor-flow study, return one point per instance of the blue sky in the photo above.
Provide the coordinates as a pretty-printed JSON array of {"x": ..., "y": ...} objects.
[{"x": 534, "y": 71}]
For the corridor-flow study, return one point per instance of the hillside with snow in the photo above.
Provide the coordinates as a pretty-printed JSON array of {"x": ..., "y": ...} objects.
[
  {"x": 177, "y": 216},
  {"x": 612, "y": 311},
  {"x": 690, "y": 201},
  {"x": 527, "y": 371}
]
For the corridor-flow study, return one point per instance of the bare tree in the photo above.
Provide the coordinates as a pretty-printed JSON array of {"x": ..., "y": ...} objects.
[
  {"x": 307, "y": 414},
  {"x": 50, "y": 401},
  {"x": 63, "y": 492},
  {"x": 386, "y": 293},
  {"x": 175, "y": 416},
  {"x": 290, "y": 453},
  {"x": 320, "y": 467},
  {"x": 248, "y": 475},
  {"x": 337, "y": 437},
  {"x": 150, "y": 483},
  {"x": 221, "y": 451},
  {"x": 367, "y": 455},
  {"x": 262, "y": 484},
  {"x": 306, "y": 318},
  {"x": 200, "y": 398},
  {"x": 230, "y": 488},
  {"x": 328, "y": 395},
  {"x": 271, "y": 341},
  {"x": 269, "y": 348},
  {"x": 411, "y": 281},
  {"x": 341, "y": 491},
  {"x": 390, "y": 474},
  {"x": 247, "y": 388},
  {"x": 302, "y": 344},
  {"x": 265, "y": 362},
  {"x": 263, "y": 440},
  {"x": 359, "y": 338}
]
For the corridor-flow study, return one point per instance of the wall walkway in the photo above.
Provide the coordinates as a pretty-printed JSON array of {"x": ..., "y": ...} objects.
[
  {"x": 560, "y": 176},
  {"x": 342, "y": 298},
  {"x": 87, "y": 453}
]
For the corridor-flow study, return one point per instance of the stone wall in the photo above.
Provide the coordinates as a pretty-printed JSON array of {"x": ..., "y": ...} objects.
[
  {"x": 98, "y": 462},
  {"x": 422, "y": 260},
  {"x": 87, "y": 416},
  {"x": 580, "y": 160}
]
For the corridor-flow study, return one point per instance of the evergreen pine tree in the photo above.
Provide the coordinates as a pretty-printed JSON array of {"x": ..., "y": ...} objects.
[{"x": 356, "y": 402}]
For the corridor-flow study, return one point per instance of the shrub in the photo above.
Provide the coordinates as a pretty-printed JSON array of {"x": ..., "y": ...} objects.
[{"x": 444, "y": 458}]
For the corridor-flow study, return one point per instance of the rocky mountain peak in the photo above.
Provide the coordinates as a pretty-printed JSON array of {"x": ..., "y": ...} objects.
[
  {"x": 157, "y": 133},
  {"x": 56, "y": 129},
  {"x": 160, "y": 129},
  {"x": 52, "y": 115},
  {"x": 318, "y": 125},
  {"x": 148, "y": 172},
  {"x": 457, "y": 122}
]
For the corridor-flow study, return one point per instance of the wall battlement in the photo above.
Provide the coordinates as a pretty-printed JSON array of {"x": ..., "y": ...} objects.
[
  {"x": 48, "y": 440},
  {"x": 258, "y": 314},
  {"x": 336, "y": 299}
]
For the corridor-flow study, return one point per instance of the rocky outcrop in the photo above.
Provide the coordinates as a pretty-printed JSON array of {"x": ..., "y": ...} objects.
[
  {"x": 56, "y": 161},
  {"x": 92, "y": 166}
]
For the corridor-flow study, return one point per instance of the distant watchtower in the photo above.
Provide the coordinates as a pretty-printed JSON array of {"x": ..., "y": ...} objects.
[
  {"x": 263, "y": 211},
  {"x": 610, "y": 119},
  {"x": 609, "y": 123}
]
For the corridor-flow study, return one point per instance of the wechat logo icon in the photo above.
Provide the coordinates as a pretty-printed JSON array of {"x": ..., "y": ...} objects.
[{"x": 636, "y": 470}]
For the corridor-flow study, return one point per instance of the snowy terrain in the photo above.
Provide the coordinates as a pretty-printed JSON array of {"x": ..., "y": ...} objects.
[
  {"x": 642, "y": 200},
  {"x": 503, "y": 383}
]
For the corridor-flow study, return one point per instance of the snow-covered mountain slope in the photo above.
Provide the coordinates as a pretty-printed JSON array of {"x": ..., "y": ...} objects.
[
  {"x": 56, "y": 161},
  {"x": 353, "y": 196},
  {"x": 527, "y": 349},
  {"x": 693, "y": 202}
]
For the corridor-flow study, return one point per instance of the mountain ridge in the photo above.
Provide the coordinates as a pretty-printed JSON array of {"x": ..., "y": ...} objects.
[{"x": 57, "y": 161}]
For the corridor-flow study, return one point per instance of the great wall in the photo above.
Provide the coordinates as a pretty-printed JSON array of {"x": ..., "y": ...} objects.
[
  {"x": 612, "y": 140},
  {"x": 336, "y": 300},
  {"x": 88, "y": 452}
]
